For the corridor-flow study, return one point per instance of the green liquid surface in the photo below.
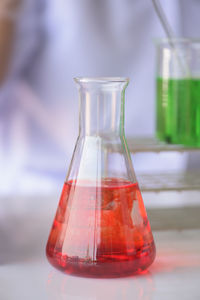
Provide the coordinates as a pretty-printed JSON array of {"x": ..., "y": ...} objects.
[{"x": 178, "y": 111}]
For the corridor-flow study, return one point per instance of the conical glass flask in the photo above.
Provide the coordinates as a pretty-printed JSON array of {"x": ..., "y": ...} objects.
[{"x": 101, "y": 227}]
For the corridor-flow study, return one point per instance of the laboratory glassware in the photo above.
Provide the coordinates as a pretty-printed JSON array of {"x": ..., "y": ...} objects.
[
  {"x": 101, "y": 227},
  {"x": 178, "y": 91}
]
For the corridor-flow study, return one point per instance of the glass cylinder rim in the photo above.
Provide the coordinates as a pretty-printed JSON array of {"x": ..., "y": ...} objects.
[
  {"x": 180, "y": 40},
  {"x": 101, "y": 79}
]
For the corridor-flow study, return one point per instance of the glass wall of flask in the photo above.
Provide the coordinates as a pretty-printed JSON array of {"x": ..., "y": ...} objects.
[{"x": 101, "y": 227}]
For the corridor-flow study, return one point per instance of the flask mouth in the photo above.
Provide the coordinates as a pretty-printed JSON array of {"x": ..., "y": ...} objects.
[
  {"x": 101, "y": 79},
  {"x": 176, "y": 41}
]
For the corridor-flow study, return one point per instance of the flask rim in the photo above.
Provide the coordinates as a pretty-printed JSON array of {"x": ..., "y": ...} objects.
[
  {"x": 101, "y": 79},
  {"x": 178, "y": 40}
]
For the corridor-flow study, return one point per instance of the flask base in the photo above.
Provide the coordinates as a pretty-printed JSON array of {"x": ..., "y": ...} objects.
[{"x": 106, "y": 266}]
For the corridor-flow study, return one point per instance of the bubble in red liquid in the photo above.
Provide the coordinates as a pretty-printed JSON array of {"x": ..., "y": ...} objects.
[{"x": 101, "y": 230}]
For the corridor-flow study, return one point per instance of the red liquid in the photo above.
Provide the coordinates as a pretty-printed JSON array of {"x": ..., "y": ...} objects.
[{"x": 101, "y": 231}]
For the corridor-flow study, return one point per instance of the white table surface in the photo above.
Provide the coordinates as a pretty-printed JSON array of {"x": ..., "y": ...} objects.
[
  {"x": 175, "y": 274},
  {"x": 25, "y": 274}
]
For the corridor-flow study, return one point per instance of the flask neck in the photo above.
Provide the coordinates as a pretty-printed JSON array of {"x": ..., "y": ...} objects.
[{"x": 101, "y": 107}]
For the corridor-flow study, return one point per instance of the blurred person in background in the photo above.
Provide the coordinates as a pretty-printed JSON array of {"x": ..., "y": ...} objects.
[
  {"x": 21, "y": 37},
  {"x": 43, "y": 45}
]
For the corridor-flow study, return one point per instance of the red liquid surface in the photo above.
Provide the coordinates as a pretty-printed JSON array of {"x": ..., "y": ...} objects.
[{"x": 101, "y": 231}]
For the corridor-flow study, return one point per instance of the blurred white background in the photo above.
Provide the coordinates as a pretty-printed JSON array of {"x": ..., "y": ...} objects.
[{"x": 43, "y": 45}]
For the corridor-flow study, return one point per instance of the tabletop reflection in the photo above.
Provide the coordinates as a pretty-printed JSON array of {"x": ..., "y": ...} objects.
[{"x": 66, "y": 287}]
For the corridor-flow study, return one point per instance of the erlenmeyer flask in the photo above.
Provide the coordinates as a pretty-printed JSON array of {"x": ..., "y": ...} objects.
[{"x": 101, "y": 227}]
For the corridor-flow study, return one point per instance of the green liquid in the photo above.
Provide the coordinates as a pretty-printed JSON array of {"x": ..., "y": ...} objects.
[{"x": 178, "y": 111}]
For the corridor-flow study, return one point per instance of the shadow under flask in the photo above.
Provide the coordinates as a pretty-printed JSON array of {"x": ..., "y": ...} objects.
[{"x": 101, "y": 227}]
